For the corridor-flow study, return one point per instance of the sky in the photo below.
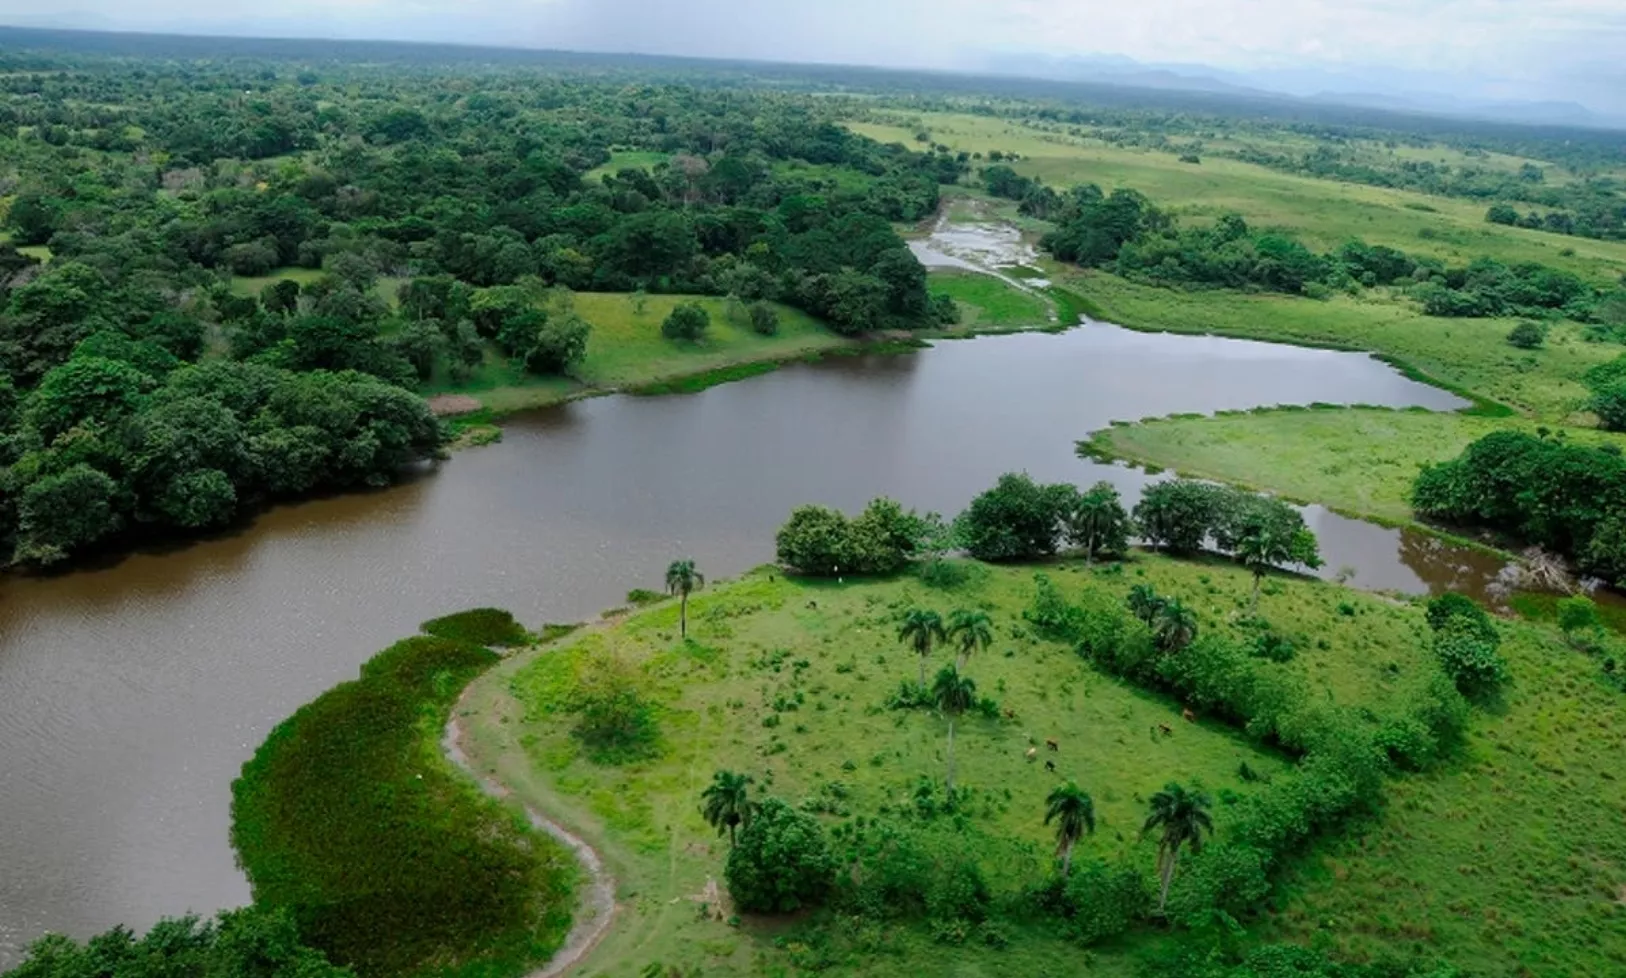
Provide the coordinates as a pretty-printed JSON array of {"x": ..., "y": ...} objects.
[{"x": 1486, "y": 50}]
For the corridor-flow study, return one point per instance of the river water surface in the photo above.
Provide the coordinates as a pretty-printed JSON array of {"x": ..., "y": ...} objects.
[{"x": 130, "y": 695}]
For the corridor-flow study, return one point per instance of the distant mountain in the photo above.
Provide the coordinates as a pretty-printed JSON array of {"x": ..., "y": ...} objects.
[{"x": 1415, "y": 93}]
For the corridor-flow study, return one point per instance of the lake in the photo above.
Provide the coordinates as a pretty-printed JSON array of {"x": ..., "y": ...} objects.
[{"x": 130, "y": 694}]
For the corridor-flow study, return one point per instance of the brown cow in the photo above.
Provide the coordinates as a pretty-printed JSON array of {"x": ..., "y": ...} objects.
[
  {"x": 1010, "y": 714},
  {"x": 1188, "y": 716},
  {"x": 1167, "y": 730},
  {"x": 1052, "y": 745}
]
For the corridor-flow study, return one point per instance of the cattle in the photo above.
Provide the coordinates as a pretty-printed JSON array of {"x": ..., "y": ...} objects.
[
  {"x": 1032, "y": 754},
  {"x": 1167, "y": 730},
  {"x": 1050, "y": 766},
  {"x": 1052, "y": 745},
  {"x": 1188, "y": 716},
  {"x": 1009, "y": 713}
]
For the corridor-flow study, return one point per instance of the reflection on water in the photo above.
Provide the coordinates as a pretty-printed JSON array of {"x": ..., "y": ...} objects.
[{"x": 130, "y": 694}]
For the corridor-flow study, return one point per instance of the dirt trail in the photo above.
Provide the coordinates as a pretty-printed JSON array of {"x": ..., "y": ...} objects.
[{"x": 596, "y": 908}]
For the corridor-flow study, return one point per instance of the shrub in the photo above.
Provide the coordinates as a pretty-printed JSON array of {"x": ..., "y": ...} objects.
[
  {"x": 1104, "y": 901},
  {"x": 781, "y": 863},
  {"x": 615, "y": 718},
  {"x": 814, "y": 540},
  {"x": 1452, "y": 610},
  {"x": 1050, "y": 613},
  {"x": 688, "y": 321},
  {"x": 1579, "y": 620},
  {"x": 764, "y": 319},
  {"x": 1221, "y": 879},
  {"x": 560, "y": 344},
  {"x": 642, "y": 596},
  {"x": 1472, "y": 663},
  {"x": 479, "y": 626},
  {"x": 1527, "y": 336},
  {"x": 822, "y": 541}
]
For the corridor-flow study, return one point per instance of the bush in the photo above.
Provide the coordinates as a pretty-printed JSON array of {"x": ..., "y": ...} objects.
[
  {"x": 688, "y": 321},
  {"x": 1221, "y": 879},
  {"x": 388, "y": 861},
  {"x": 1104, "y": 901},
  {"x": 1452, "y": 610},
  {"x": 822, "y": 541},
  {"x": 1527, "y": 336},
  {"x": 764, "y": 319},
  {"x": 615, "y": 718},
  {"x": 560, "y": 344},
  {"x": 480, "y": 626},
  {"x": 781, "y": 863},
  {"x": 1050, "y": 613},
  {"x": 1472, "y": 663}
]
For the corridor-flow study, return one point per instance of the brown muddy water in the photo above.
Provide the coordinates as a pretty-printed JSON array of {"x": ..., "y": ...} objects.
[{"x": 131, "y": 694}]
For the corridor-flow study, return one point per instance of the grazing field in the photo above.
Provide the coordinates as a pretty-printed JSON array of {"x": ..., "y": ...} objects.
[
  {"x": 1356, "y": 460},
  {"x": 251, "y": 285},
  {"x": 1323, "y": 213},
  {"x": 622, "y": 159},
  {"x": 987, "y": 303},
  {"x": 787, "y": 681},
  {"x": 1468, "y": 355}
]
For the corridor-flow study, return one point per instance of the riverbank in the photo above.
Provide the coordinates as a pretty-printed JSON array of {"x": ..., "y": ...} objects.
[
  {"x": 786, "y": 679},
  {"x": 350, "y": 818}
]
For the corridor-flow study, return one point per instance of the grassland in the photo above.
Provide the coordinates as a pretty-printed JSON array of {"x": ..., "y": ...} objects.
[
  {"x": 1324, "y": 213},
  {"x": 626, "y": 351},
  {"x": 1358, "y": 460},
  {"x": 624, "y": 160},
  {"x": 1480, "y": 862},
  {"x": 385, "y": 288},
  {"x": 986, "y": 303}
]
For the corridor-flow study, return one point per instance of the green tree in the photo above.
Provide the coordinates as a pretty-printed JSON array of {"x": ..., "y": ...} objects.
[
  {"x": 781, "y": 862},
  {"x": 1181, "y": 818},
  {"x": 726, "y": 802},
  {"x": 688, "y": 321},
  {"x": 1174, "y": 626},
  {"x": 1609, "y": 404},
  {"x": 560, "y": 344},
  {"x": 1073, "y": 811},
  {"x": 815, "y": 540},
  {"x": 1473, "y": 664},
  {"x": 1145, "y": 603},
  {"x": 1178, "y": 515},
  {"x": 1264, "y": 547},
  {"x": 1527, "y": 336},
  {"x": 920, "y": 628},
  {"x": 62, "y": 513},
  {"x": 681, "y": 579},
  {"x": 1099, "y": 524},
  {"x": 1579, "y": 620},
  {"x": 971, "y": 630},
  {"x": 1018, "y": 519},
  {"x": 953, "y": 694},
  {"x": 764, "y": 319}
]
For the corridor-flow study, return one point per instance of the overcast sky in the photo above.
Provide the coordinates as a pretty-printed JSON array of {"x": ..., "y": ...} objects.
[{"x": 1493, "y": 49}]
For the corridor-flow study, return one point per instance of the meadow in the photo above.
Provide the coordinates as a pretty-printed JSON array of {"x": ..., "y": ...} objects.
[
  {"x": 1323, "y": 213},
  {"x": 986, "y": 303},
  {"x": 1360, "y": 461},
  {"x": 786, "y": 680}
]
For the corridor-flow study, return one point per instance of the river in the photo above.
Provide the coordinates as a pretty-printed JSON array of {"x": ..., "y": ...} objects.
[{"x": 130, "y": 694}]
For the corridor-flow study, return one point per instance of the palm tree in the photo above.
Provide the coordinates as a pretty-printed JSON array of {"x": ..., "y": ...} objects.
[
  {"x": 1099, "y": 523},
  {"x": 972, "y": 629},
  {"x": 954, "y": 694},
  {"x": 1175, "y": 625},
  {"x": 1073, "y": 811},
  {"x": 1183, "y": 817},
  {"x": 728, "y": 802},
  {"x": 682, "y": 578},
  {"x": 919, "y": 629},
  {"x": 1144, "y": 602},
  {"x": 1259, "y": 551}
]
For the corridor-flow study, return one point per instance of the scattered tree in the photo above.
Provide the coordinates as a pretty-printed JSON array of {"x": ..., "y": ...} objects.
[
  {"x": 1181, "y": 818},
  {"x": 920, "y": 628},
  {"x": 1073, "y": 811},
  {"x": 726, "y": 803},
  {"x": 681, "y": 579},
  {"x": 1527, "y": 335},
  {"x": 781, "y": 861},
  {"x": 972, "y": 630},
  {"x": 1174, "y": 626},
  {"x": 1099, "y": 524},
  {"x": 687, "y": 321},
  {"x": 954, "y": 694}
]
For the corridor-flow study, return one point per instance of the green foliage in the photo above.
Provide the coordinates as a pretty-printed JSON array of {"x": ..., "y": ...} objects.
[
  {"x": 237, "y": 943},
  {"x": 1018, "y": 519},
  {"x": 1104, "y": 901},
  {"x": 689, "y": 321},
  {"x": 329, "y": 803},
  {"x": 1098, "y": 524},
  {"x": 560, "y": 344},
  {"x": 824, "y": 542},
  {"x": 781, "y": 863},
  {"x": 1452, "y": 610},
  {"x": 491, "y": 627},
  {"x": 764, "y": 319},
  {"x": 1527, "y": 335},
  {"x": 1472, "y": 663},
  {"x": 1579, "y": 619},
  {"x": 726, "y": 803},
  {"x": 616, "y": 717}
]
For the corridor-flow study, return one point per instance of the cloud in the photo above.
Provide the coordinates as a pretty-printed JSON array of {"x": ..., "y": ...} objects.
[{"x": 1488, "y": 48}]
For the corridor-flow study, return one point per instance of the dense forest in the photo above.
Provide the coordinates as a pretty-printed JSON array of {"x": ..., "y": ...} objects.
[{"x": 428, "y": 210}]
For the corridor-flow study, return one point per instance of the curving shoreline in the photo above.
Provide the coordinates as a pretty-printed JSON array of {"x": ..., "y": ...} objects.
[{"x": 596, "y": 908}]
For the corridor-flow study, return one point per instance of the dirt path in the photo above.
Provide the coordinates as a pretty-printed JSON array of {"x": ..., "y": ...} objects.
[{"x": 596, "y": 908}]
